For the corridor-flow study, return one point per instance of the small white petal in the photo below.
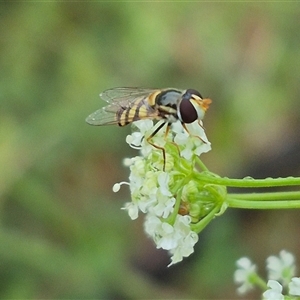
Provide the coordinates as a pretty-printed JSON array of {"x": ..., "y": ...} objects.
[
  {"x": 151, "y": 225},
  {"x": 164, "y": 206},
  {"x": 134, "y": 140},
  {"x": 287, "y": 258},
  {"x": 245, "y": 263},
  {"x": 274, "y": 293},
  {"x": 127, "y": 162},
  {"x": 163, "y": 181},
  {"x": 143, "y": 125},
  {"x": 132, "y": 209},
  {"x": 294, "y": 286},
  {"x": 275, "y": 285}
]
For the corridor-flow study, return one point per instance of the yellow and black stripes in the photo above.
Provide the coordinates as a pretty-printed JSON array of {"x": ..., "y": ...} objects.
[{"x": 136, "y": 111}]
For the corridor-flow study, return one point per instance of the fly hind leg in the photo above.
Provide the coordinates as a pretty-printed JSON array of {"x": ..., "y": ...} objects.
[{"x": 156, "y": 146}]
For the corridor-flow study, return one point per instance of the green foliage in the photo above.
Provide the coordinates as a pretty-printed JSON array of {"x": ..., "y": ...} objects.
[{"x": 62, "y": 232}]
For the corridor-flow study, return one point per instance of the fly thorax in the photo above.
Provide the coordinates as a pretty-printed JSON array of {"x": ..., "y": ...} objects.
[{"x": 168, "y": 98}]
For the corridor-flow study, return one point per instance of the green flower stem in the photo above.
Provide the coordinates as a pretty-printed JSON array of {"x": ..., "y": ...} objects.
[
  {"x": 258, "y": 281},
  {"x": 267, "y": 196},
  {"x": 172, "y": 217},
  {"x": 198, "y": 227},
  {"x": 206, "y": 177},
  {"x": 256, "y": 204},
  {"x": 269, "y": 200},
  {"x": 200, "y": 163}
]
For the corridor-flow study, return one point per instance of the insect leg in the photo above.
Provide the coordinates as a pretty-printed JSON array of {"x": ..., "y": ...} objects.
[
  {"x": 166, "y": 134},
  {"x": 186, "y": 129},
  {"x": 156, "y": 146}
]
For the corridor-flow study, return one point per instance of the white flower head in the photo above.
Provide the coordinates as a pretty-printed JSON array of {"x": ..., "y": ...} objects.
[
  {"x": 178, "y": 238},
  {"x": 294, "y": 286},
  {"x": 246, "y": 270},
  {"x": 275, "y": 291},
  {"x": 165, "y": 160},
  {"x": 184, "y": 248},
  {"x": 150, "y": 191},
  {"x": 281, "y": 268}
]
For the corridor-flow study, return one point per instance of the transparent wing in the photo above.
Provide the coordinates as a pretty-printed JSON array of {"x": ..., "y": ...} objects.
[
  {"x": 120, "y": 98},
  {"x": 125, "y": 95},
  {"x": 102, "y": 117}
]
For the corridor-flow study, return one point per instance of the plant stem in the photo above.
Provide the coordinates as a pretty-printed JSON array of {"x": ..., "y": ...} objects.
[
  {"x": 205, "y": 221},
  {"x": 201, "y": 164},
  {"x": 257, "y": 280},
  {"x": 256, "y": 204},
  {"x": 266, "y": 196},
  {"x": 246, "y": 182}
]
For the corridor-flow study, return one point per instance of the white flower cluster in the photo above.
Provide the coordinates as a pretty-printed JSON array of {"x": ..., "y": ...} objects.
[
  {"x": 281, "y": 272},
  {"x": 155, "y": 182},
  {"x": 243, "y": 275},
  {"x": 177, "y": 238}
]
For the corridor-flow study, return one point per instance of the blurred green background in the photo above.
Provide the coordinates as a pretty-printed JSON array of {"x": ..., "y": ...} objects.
[{"x": 62, "y": 232}]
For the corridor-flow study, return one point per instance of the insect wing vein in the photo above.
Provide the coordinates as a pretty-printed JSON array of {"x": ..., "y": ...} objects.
[
  {"x": 125, "y": 106},
  {"x": 124, "y": 94},
  {"x": 102, "y": 117}
]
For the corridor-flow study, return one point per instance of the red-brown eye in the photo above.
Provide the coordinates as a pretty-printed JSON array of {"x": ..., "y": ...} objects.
[{"x": 187, "y": 111}]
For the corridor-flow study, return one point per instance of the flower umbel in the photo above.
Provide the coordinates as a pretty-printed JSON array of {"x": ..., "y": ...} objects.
[
  {"x": 165, "y": 189},
  {"x": 281, "y": 268}
]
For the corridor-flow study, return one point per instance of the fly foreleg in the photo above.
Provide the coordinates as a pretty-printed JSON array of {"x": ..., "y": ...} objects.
[{"x": 186, "y": 129}]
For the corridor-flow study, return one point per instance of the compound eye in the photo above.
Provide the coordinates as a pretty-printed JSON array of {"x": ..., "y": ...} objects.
[
  {"x": 187, "y": 111},
  {"x": 191, "y": 92}
]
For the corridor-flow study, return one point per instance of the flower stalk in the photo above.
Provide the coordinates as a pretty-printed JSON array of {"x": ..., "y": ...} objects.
[
  {"x": 248, "y": 182},
  {"x": 262, "y": 200}
]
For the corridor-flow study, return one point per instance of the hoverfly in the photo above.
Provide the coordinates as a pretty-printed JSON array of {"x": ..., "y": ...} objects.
[{"x": 127, "y": 105}]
